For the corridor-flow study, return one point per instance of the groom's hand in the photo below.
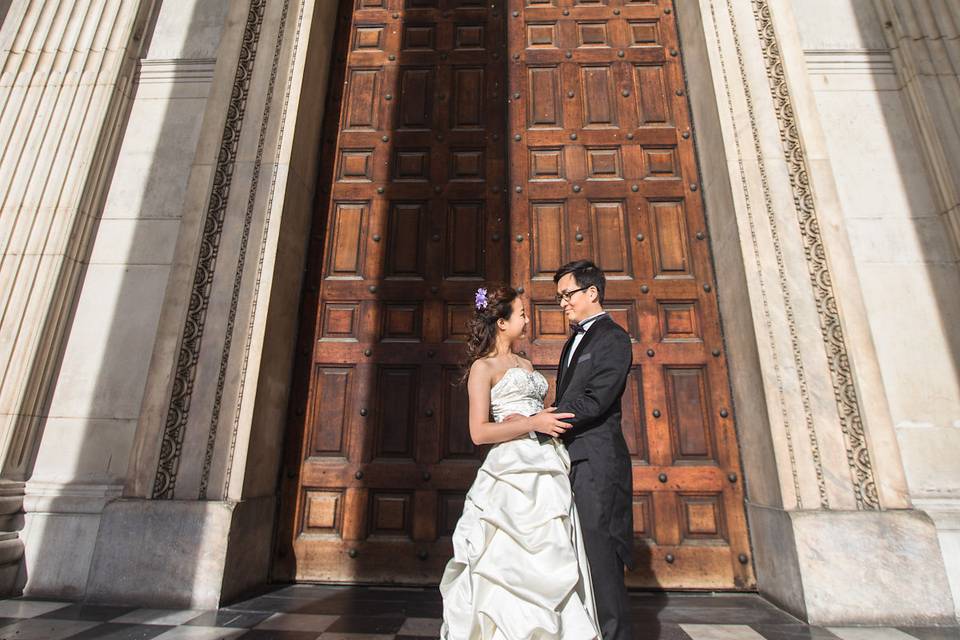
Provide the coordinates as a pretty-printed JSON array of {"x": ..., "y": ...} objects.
[{"x": 549, "y": 422}]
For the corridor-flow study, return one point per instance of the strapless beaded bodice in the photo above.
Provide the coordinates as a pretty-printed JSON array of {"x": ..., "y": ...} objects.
[{"x": 518, "y": 391}]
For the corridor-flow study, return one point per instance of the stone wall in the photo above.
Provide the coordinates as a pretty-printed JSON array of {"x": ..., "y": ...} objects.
[{"x": 899, "y": 232}]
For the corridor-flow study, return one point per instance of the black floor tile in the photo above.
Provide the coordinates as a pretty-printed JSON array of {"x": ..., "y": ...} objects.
[
  {"x": 366, "y": 624},
  {"x": 718, "y": 601},
  {"x": 309, "y": 591},
  {"x": 114, "y": 631},
  {"x": 229, "y": 618},
  {"x": 271, "y": 604},
  {"x": 712, "y": 615},
  {"x": 383, "y": 593},
  {"x": 357, "y": 607},
  {"x": 424, "y": 610},
  {"x": 87, "y": 612}
]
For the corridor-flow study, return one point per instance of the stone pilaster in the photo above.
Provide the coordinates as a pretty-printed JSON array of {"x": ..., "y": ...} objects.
[
  {"x": 924, "y": 39},
  {"x": 205, "y": 460},
  {"x": 827, "y": 496},
  {"x": 65, "y": 70}
]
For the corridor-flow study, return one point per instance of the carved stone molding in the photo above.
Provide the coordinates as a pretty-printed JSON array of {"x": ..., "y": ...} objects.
[
  {"x": 195, "y": 322},
  {"x": 175, "y": 71},
  {"x": 831, "y": 327},
  {"x": 782, "y": 280},
  {"x": 245, "y": 360},
  {"x": 238, "y": 274},
  {"x": 874, "y": 62}
]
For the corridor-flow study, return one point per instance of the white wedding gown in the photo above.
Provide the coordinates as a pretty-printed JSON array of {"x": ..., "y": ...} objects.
[{"x": 519, "y": 569}]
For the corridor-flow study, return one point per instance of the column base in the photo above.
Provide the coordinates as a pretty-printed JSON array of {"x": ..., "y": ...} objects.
[
  {"x": 181, "y": 554},
  {"x": 945, "y": 513},
  {"x": 873, "y": 568},
  {"x": 11, "y": 543},
  {"x": 61, "y": 521}
]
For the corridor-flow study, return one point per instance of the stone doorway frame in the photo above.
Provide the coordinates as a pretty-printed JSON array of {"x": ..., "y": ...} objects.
[{"x": 821, "y": 504}]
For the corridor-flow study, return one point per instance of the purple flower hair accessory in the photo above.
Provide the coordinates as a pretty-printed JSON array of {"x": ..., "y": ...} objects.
[{"x": 480, "y": 300}]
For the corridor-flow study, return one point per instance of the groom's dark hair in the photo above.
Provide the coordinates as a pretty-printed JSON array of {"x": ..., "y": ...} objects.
[{"x": 585, "y": 273}]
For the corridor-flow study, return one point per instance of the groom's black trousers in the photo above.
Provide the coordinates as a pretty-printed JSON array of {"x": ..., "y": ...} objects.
[{"x": 606, "y": 566}]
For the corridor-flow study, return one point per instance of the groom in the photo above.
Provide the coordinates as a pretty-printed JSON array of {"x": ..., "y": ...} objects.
[{"x": 590, "y": 382}]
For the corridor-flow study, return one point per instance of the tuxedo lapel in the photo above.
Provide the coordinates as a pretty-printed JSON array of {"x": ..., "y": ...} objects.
[
  {"x": 562, "y": 369},
  {"x": 566, "y": 373}
]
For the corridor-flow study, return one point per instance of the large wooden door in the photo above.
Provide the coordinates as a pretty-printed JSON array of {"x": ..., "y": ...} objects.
[
  {"x": 603, "y": 167},
  {"x": 413, "y": 222},
  {"x": 586, "y": 99}
]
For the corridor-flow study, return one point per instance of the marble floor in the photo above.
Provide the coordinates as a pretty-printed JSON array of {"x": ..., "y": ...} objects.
[{"x": 307, "y": 612}]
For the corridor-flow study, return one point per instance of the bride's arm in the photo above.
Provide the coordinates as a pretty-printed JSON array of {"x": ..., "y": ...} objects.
[{"x": 484, "y": 432}]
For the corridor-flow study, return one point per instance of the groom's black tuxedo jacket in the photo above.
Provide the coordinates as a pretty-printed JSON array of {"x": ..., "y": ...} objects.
[{"x": 591, "y": 388}]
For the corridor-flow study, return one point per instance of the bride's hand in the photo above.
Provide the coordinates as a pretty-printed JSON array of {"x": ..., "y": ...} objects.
[
  {"x": 549, "y": 422},
  {"x": 514, "y": 416}
]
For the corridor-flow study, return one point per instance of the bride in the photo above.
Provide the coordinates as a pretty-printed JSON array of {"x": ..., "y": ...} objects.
[{"x": 519, "y": 569}]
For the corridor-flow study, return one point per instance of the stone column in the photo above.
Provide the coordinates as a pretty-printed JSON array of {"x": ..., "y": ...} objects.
[
  {"x": 65, "y": 67},
  {"x": 834, "y": 537},
  {"x": 924, "y": 39},
  {"x": 194, "y": 527}
]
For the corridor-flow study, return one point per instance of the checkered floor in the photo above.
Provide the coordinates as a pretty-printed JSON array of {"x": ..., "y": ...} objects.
[{"x": 306, "y": 612}]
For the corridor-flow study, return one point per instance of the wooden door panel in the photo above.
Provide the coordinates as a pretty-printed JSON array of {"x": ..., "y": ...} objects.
[
  {"x": 689, "y": 416},
  {"x": 634, "y": 419},
  {"x": 602, "y": 167},
  {"x": 328, "y": 415},
  {"x": 609, "y": 229},
  {"x": 455, "y": 442},
  {"x": 651, "y": 97}
]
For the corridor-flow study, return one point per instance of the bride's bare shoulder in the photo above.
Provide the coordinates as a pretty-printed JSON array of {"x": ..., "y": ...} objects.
[{"x": 481, "y": 369}]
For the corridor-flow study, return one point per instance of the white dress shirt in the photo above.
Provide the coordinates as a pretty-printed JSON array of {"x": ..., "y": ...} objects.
[{"x": 586, "y": 324}]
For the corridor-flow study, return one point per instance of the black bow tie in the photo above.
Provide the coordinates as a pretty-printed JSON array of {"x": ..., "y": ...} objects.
[{"x": 577, "y": 328}]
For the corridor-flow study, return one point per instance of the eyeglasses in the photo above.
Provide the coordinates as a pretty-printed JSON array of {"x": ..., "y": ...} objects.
[{"x": 566, "y": 295}]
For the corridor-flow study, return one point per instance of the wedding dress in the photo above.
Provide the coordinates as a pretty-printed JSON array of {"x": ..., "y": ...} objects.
[{"x": 519, "y": 569}]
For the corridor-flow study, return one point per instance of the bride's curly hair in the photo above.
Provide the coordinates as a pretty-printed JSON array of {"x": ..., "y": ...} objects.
[{"x": 482, "y": 327}]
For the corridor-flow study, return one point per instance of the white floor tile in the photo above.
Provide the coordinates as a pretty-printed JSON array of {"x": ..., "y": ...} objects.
[
  {"x": 867, "y": 633},
  {"x": 721, "y": 632},
  {"x": 200, "y": 633},
  {"x": 28, "y": 608},
  {"x": 169, "y": 617}
]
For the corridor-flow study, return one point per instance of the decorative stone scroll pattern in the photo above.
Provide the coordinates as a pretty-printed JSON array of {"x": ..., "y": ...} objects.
[
  {"x": 179, "y": 409},
  {"x": 749, "y": 210},
  {"x": 848, "y": 404},
  {"x": 241, "y": 262},
  {"x": 245, "y": 361}
]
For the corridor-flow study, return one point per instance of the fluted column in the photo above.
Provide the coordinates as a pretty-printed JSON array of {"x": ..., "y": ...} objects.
[
  {"x": 65, "y": 70},
  {"x": 924, "y": 39}
]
